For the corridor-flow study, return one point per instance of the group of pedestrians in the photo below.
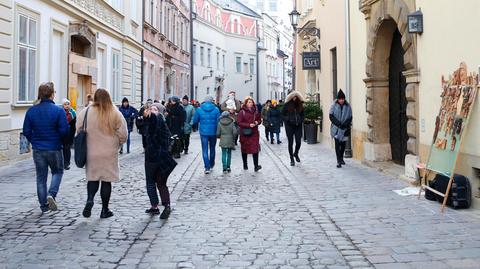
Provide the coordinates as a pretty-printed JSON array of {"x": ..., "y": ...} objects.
[{"x": 165, "y": 132}]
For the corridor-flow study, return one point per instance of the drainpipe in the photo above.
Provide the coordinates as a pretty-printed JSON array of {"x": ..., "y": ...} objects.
[
  {"x": 257, "y": 56},
  {"x": 192, "y": 80},
  {"x": 142, "y": 81},
  {"x": 348, "y": 76}
]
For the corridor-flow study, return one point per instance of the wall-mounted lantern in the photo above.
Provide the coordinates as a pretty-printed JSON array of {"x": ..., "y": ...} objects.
[{"x": 415, "y": 22}]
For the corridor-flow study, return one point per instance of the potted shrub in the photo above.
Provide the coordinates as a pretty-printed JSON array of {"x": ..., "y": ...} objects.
[{"x": 313, "y": 118}]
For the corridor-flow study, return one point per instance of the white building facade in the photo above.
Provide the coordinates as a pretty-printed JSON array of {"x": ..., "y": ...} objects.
[
  {"x": 224, "y": 49},
  {"x": 78, "y": 45}
]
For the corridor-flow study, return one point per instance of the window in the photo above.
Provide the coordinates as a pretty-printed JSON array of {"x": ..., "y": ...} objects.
[
  {"x": 115, "y": 76},
  {"x": 181, "y": 36},
  {"x": 209, "y": 57},
  {"x": 245, "y": 68},
  {"x": 58, "y": 59},
  {"x": 238, "y": 61},
  {"x": 333, "y": 53},
  {"x": 223, "y": 61},
  {"x": 151, "y": 12},
  {"x": 202, "y": 53},
  {"x": 101, "y": 67},
  {"x": 116, "y": 4},
  {"x": 252, "y": 66},
  {"x": 133, "y": 78},
  {"x": 133, "y": 10},
  {"x": 260, "y": 5},
  {"x": 152, "y": 81},
  {"x": 273, "y": 5},
  {"x": 194, "y": 54},
  {"x": 26, "y": 54},
  {"x": 218, "y": 60}
]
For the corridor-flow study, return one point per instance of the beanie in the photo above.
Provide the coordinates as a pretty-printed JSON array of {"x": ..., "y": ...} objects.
[
  {"x": 225, "y": 114},
  {"x": 209, "y": 99},
  {"x": 340, "y": 95},
  {"x": 175, "y": 99},
  {"x": 185, "y": 97}
]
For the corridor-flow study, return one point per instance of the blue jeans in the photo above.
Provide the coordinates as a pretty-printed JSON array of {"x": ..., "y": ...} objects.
[
  {"x": 44, "y": 159},
  {"x": 206, "y": 140},
  {"x": 128, "y": 143}
]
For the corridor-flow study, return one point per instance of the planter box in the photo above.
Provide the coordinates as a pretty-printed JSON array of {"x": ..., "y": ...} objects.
[{"x": 311, "y": 131}]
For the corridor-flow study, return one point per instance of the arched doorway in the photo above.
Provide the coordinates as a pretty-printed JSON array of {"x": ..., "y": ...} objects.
[
  {"x": 397, "y": 100},
  {"x": 391, "y": 82}
]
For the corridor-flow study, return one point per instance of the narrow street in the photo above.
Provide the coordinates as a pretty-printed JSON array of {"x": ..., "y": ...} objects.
[{"x": 312, "y": 215}]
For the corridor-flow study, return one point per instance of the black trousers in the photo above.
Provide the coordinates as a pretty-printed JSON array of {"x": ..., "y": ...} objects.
[
  {"x": 340, "y": 149},
  {"x": 105, "y": 192},
  {"x": 293, "y": 132},
  {"x": 267, "y": 132},
  {"x": 67, "y": 154},
  {"x": 255, "y": 159},
  {"x": 155, "y": 180},
  {"x": 186, "y": 141}
]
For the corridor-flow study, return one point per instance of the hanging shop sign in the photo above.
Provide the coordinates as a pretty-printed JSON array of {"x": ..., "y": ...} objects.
[{"x": 311, "y": 60}]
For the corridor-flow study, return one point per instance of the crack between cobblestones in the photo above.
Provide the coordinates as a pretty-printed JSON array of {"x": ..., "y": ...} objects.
[
  {"x": 174, "y": 188},
  {"x": 286, "y": 172}
]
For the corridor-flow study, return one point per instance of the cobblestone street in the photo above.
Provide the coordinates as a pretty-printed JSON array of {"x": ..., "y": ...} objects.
[{"x": 312, "y": 215}]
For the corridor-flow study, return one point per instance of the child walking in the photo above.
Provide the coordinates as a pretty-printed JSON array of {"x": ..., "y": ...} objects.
[{"x": 227, "y": 132}]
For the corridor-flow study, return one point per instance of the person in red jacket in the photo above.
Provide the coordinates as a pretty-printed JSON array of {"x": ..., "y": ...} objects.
[{"x": 248, "y": 120}]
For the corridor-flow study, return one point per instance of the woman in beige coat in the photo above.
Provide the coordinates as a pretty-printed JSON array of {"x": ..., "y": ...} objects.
[{"x": 106, "y": 132}]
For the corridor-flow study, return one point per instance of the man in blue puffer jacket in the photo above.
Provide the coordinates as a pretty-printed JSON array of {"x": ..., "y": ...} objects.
[
  {"x": 45, "y": 126},
  {"x": 208, "y": 115}
]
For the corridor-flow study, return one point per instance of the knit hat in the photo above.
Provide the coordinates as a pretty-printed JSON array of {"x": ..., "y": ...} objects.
[
  {"x": 225, "y": 114},
  {"x": 274, "y": 102},
  {"x": 230, "y": 104},
  {"x": 65, "y": 100},
  {"x": 185, "y": 98},
  {"x": 340, "y": 95},
  {"x": 161, "y": 108},
  {"x": 208, "y": 98},
  {"x": 175, "y": 99}
]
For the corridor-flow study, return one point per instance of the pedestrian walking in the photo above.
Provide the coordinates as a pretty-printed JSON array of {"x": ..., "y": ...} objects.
[
  {"x": 68, "y": 140},
  {"x": 341, "y": 117},
  {"x": 207, "y": 116},
  {"x": 175, "y": 122},
  {"x": 227, "y": 132},
  {"x": 265, "y": 121},
  {"x": 293, "y": 116},
  {"x": 159, "y": 163},
  {"x": 187, "y": 126},
  {"x": 275, "y": 119},
  {"x": 45, "y": 126},
  {"x": 232, "y": 105},
  {"x": 107, "y": 131},
  {"x": 129, "y": 114},
  {"x": 248, "y": 120}
]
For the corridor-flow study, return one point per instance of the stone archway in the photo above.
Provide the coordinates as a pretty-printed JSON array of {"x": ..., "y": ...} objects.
[{"x": 384, "y": 18}]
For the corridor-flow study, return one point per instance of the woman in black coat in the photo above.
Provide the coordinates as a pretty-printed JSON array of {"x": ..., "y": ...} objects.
[
  {"x": 158, "y": 161},
  {"x": 275, "y": 120},
  {"x": 293, "y": 116},
  {"x": 175, "y": 120}
]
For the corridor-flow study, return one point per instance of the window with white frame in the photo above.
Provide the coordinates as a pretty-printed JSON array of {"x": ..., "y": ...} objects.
[
  {"x": 116, "y": 76},
  {"x": 252, "y": 66},
  {"x": 152, "y": 12},
  {"x": 152, "y": 81},
  {"x": 202, "y": 54},
  {"x": 194, "y": 54},
  {"x": 26, "y": 55},
  {"x": 133, "y": 79},
  {"x": 218, "y": 60},
  {"x": 209, "y": 57},
  {"x": 223, "y": 61},
  {"x": 238, "y": 64},
  {"x": 133, "y": 10},
  {"x": 273, "y": 5}
]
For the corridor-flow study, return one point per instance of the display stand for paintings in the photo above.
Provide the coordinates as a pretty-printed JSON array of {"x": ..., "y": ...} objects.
[{"x": 441, "y": 160}]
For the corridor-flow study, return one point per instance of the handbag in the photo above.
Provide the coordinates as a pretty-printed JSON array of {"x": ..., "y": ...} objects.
[
  {"x": 80, "y": 144},
  {"x": 248, "y": 131}
]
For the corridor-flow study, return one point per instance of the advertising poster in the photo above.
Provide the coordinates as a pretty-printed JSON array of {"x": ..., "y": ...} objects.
[{"x": 458, "y": 96}]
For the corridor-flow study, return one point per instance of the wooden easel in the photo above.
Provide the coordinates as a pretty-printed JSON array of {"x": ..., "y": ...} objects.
[{"x": 424, "y": 180}]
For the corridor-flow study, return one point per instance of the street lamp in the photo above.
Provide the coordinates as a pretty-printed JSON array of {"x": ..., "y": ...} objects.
[{"x": 294, "y": 15}]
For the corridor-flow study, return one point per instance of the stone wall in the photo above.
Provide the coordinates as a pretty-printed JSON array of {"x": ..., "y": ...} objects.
[{"x": 10, "y": 147}]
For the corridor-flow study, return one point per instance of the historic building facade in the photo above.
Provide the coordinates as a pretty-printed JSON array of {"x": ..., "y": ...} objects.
[
  {"x": 167, "y": 49},
  {"x": 224, "y": 49},
  {"x": 79, "y": 45}
]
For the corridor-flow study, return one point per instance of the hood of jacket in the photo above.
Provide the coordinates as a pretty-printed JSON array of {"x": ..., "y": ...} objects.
[
  {"x": 293, "y": 94},
  {"x": 208, "y": 106},
  {"x": 226, "y": 121}
]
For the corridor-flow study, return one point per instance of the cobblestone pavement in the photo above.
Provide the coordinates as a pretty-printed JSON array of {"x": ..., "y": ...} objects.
[{"x": 312, "y": 215}]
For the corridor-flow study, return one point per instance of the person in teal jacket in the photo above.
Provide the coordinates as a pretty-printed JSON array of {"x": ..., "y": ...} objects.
[
  {"x": 208, "y": 116},
  {"x": 187, "y": 126}
]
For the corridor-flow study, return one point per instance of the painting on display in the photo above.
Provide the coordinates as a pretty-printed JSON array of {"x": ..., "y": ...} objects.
[{"x": 458, "y": 96}]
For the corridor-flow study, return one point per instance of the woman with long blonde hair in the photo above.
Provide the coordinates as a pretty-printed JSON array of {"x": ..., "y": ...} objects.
[{"x": 106, "y": 132}]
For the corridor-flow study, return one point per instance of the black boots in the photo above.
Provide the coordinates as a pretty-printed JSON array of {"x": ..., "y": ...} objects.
[
  {"x": 296, "y": 157},
  {"x": 87, "y": 211},
  {"x": 166, "y": 212},
  {"x": 106, "y": 213},
  {"x": 258, "y": 167}
]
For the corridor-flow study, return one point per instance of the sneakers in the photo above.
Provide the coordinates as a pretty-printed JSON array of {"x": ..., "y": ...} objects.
[
  {"x": 153, "y": 211},
  {"x": 257, "y": 168},
  {"x": 207, "y": 171},
  {"x": 225, "y": 170},
  {"x": 166, "y": 212},
  {"x": 66, "y": 167},
  {"x": 52, "y": 204},
  {"x": 87, "y": 211},
  {"x": 106, "y": 213},
  {"x": 229, "y": 170}
]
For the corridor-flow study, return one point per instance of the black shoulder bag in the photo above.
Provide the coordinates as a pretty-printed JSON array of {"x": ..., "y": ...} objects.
[
  {"x": 248, "y": 131},
  {"x": 80, "y": 144}
]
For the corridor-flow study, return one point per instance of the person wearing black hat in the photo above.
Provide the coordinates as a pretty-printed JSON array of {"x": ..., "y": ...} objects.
[
  {"x": 341, "y": 117},
  {"x": 187, "y": 127},
  {"x": 175, "y": 120},
  {"x": 129, "y": 113}
]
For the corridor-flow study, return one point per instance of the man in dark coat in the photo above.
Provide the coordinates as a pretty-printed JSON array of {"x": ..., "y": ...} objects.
[
  {"x": 175, "y": 120},
  {"x": 45, "y": 126},
  {"x": 129, "y": 113}
]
